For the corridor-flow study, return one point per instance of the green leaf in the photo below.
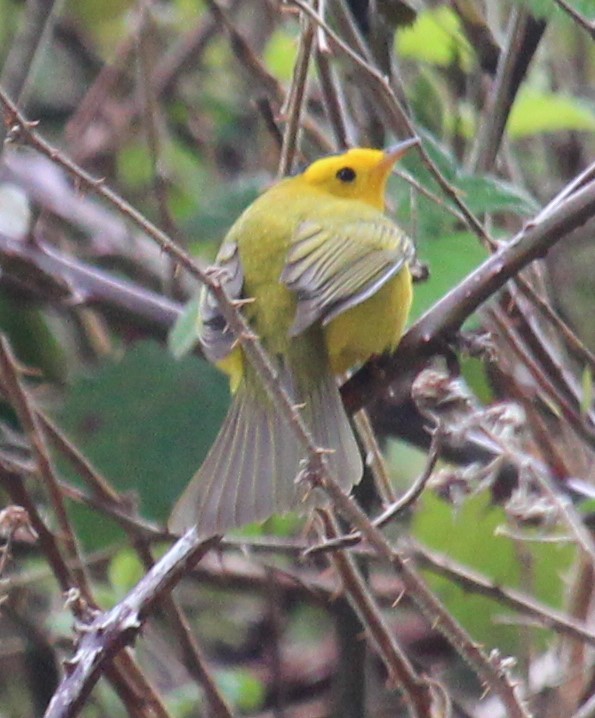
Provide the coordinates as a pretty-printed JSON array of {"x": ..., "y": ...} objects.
[
  {"x": 183, "y": 336},
  {"x": 147, "y": 423},
  {"x": 468, "y": 535},
  {"x": 450, "y": 258},
  {"x": 435, "y": 37},
  {"x": 241, "y": 688},
  {"x": 537, "y": 112},
  {"x": 134, "y": 165},
  {"x": 124, "y": 571},
  {"x": 587, "y": 386},
  {"x": 280, "y": 53},
  {"x": 491, "y": 194}
]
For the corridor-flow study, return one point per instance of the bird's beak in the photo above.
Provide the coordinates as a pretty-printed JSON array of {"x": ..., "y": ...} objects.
[{"x": 394, "y": 153}]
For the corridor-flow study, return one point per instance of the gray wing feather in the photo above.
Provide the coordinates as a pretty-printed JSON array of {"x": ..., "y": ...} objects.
[
  {"x": 332, "y": 272},
  {"x": 250, "y": 471},
  {"x": 216, "y": 339}
]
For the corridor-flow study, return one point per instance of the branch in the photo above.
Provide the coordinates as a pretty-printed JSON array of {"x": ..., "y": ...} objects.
[
  {"x": 111, "y": 631},
  {"x": 416, "y": 689},
  {"x": 439, "y": 324},
  {"x": 581, "y": 21},
  {"x": 36, "y": 270}
]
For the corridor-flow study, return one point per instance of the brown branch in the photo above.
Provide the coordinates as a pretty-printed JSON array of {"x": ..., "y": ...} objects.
[
  {"x": 416, "y": 690},
  {"x": 581, "y": 21},
  {"x": 105, "y": 636},
  {"x": 439, "y": 324},
  {"x": 192, "y": 655},
  {"x": 27, "y": 48},
  {"x": 13, "y": 389},
  {"x": 132, "y": 687},
  {"x": 524, "y": 35},
  {"x": 294, "y": 103},
  {"x": 473, "y": 582},
  {"x": 54, "y": 277},
  {"x": 332, "y": 98}
]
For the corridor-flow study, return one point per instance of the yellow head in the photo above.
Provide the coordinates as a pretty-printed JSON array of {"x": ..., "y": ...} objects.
[{"x": 359, "y": 174}]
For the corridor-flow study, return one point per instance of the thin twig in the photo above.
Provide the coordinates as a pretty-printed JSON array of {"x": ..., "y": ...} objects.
[
  {"x": 27, "y": 49},
  {"x": 566, "y": 512},
  {"x": 150, "y": 116},
  {"x": 550, "y": 387},
  {"x": 294, "y": 103},
  {"x": 573, "y": 343},
  {"x": 332, "y": 98},
  {"x": 399, "y": 505},
  {"x": 19, "y": 398},
  {"x": 416, "y": 690},
  {"x": 373, "y": 456},
  {"x": 192, "y": 655},
  {"x": 523, "y": 36},
  {"x": 581, "y": 21},
  {"x": 473, "y": 582}
]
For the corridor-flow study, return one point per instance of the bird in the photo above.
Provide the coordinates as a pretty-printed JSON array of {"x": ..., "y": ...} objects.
[{"x": 323, "y": 277}]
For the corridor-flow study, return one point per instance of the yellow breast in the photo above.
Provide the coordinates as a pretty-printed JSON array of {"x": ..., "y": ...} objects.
[{"x": 372, "y": 327}]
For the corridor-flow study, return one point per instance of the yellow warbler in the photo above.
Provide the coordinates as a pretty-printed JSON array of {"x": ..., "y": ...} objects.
[{"x": 330, "y": 285}]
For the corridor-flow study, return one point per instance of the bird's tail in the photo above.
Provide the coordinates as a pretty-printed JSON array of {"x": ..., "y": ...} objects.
[{"x": 250, "y": 472}]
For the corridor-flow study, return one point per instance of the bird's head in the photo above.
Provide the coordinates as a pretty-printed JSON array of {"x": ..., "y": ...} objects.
[{"x": 359, "y": 173}]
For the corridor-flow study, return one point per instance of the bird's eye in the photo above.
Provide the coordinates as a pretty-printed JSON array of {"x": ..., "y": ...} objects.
[{"x": 346, "y": 174}]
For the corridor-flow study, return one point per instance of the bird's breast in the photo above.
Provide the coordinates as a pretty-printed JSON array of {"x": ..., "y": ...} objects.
[{"x": 372, "y": 327}]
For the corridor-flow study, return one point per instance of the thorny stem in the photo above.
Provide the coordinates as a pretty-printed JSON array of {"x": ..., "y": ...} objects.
[
  {"x": 297, "y": 96},
  {"x": 15, "y": 392},
  {"x": 417, "y": 692},
  {"x": 389, "y": 513},
  {"x": 111, "y": 631}
]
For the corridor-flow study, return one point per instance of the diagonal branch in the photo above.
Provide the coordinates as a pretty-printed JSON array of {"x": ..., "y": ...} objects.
[
  {"x": 111, "y": 631},
  {"x": 439, "y": 324}
]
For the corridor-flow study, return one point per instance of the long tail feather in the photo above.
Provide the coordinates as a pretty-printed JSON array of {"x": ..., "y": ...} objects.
[{"x": 250, "y": 471}]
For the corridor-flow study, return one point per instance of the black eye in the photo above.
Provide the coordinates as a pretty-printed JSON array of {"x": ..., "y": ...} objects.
[{"x": 346, "y": 174}]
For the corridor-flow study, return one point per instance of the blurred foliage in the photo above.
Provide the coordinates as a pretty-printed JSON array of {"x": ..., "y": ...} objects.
[
  {"x": 471, "y": 535},
  {"x": 437, "y": 38},
  {"x": 146, "y": 422}
]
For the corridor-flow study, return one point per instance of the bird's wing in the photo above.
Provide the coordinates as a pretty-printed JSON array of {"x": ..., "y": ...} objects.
[
  {"x": 334, "y": 269},
  {"x": 216, "y": 339}
]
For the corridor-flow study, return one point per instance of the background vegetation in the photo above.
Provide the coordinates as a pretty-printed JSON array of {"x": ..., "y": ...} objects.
[{"x": 187, "y": 110}]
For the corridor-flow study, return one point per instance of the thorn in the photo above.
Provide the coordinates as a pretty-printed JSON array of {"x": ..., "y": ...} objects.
[
  {"x": 239, "y": 303},
  {"x": 398, "y": 599}
]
